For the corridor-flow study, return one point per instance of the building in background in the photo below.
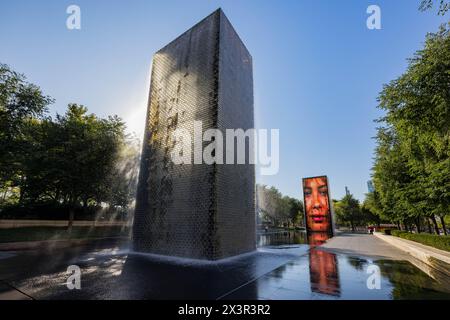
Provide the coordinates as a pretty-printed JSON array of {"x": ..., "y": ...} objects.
[{"x": 370, "y": 186}]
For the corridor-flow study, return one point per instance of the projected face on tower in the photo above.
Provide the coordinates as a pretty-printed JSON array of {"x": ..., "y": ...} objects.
[{"x": 317, "y": 204}]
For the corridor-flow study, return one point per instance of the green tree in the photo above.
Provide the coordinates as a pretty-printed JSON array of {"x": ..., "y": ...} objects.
[
  {"x": 268, "y": 202},
  {"x": 121, "y": 184},
  {"x": 348, "y": 211},
  {"x": 89, "y": 147},
  {"x": 276, "y": 208},
  {"x": 412, "y": 158},
  {"x": 444, "y": 5},
  {"x": 76, "y": 160},
  {"x": 372, "y": 208},
  {"x": 296, "y": 213},
  {"x": 20, "y": 103}
]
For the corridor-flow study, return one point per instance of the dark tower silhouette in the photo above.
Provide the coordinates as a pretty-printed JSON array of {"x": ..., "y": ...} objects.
[{"x": 197, "y": 210}]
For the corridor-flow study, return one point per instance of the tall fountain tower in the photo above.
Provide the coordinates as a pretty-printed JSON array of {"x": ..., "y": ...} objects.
[{"x": 197, "y": 211}]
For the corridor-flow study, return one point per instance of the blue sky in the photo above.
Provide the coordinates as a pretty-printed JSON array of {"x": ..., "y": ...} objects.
[{"x": 317, "y": 68}]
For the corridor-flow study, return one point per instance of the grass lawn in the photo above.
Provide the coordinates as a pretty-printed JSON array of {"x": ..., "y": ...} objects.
[{"x": 58, "y": 233}]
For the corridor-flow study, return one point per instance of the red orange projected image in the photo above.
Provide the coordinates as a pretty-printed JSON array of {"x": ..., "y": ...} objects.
[
  {"x": 323, "y": 266},
  {"x": 324, "y": 274},
  {"x": 318, "y": 238},
  {"x": 317, "y": 205}
]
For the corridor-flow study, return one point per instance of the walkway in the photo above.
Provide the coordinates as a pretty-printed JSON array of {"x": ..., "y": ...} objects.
[{"x": 363, "y": 244}]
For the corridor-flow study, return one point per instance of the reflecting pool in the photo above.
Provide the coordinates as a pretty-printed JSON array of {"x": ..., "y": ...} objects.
[
  {"x": 277, "y": 238},
  {"x": 325, "y": 275},
  {"x": 287, "y": 266}
]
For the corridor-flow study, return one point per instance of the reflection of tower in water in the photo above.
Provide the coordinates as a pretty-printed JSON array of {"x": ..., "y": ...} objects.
[{"x": 323, "y": 267}]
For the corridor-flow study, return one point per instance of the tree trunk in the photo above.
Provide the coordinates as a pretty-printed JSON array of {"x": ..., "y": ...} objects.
[
  {"x": 57, "y": 195},
  {"x": 21, "y": 194},
  {"x": 418, "y": 224},
  {"x": 429, "y": 226},
  {"x": 353, "y": 226},
  {"x": 85, "y": 205},
  {"x": 443, "y": 224},
  {"x": 436, "y": 227},
  {"x": 399, "y": 226},
  {"x": 71, "y": 218}
]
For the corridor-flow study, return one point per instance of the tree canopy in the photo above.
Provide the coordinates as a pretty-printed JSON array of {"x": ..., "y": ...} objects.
[
  {"x": 76, "y": 159},
  {"x": 412, "y": 159},
  {"x": 278, "y": 209},
  {"x": 443, "y": 5}
]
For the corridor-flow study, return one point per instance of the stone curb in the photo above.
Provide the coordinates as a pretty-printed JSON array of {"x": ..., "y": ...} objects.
[{"x": 435, "y": 258}]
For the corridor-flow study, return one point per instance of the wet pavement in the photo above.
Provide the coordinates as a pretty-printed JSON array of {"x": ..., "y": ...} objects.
[{"x": 284, "y": 267}]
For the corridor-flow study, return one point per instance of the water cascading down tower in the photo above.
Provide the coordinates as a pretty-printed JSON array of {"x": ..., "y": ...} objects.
[{"x": 200, "y": 211}]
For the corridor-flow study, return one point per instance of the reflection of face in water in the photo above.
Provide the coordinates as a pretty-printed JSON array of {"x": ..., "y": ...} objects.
[
  {"x": 317, "y": 204},
  {"x": 323, "y": 267},
  {"x": 317, "y": 238}
]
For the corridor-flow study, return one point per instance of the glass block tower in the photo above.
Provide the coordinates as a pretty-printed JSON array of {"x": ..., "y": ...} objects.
[{"x": 197, "y": 211}]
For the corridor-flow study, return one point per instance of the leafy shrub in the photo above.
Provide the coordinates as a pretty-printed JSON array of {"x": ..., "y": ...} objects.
[{"x": 439, "y": 242}]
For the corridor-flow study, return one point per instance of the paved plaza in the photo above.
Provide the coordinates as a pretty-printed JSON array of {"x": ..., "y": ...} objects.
[{"x": 109, "y": 270}]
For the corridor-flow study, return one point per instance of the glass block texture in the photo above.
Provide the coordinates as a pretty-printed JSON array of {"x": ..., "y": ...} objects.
[{"x": 198, "y": 211}]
